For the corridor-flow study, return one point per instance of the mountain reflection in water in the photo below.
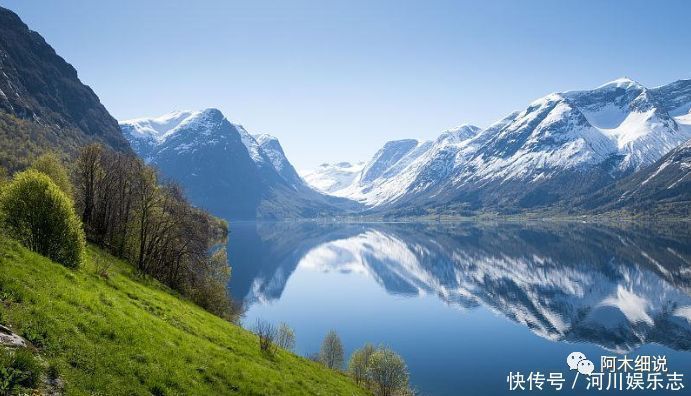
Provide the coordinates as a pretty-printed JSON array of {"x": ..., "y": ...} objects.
[{"x": 617, "y": 288}]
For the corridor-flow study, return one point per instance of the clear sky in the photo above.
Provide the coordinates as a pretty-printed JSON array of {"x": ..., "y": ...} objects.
[{"x": 335, "y": 80}]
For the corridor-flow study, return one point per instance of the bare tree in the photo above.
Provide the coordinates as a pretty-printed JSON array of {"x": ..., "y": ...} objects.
[
  {"x": 266, "y": 333},
  {"x": 127, "y": 210},
  {"x": 87, "y": 174},
  {"x": 331, "y": 353},
  {"x": 285, "y": 337}
]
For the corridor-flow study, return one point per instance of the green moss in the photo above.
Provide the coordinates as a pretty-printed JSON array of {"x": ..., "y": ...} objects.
[{"x": 124, "y": 335}]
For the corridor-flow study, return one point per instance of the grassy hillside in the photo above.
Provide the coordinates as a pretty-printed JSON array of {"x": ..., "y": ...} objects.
[{"x": 122, "y": 335}]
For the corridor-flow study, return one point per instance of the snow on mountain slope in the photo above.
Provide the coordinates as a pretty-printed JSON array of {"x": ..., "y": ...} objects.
[
  {"x": 576, "y": 131},
  {"x": 684, "y": 122},
  {"x": 391, "y": 153},
  {"x": 252, "y": 146},
  {"x": 675, "y": 97},
  {"x": 150, "y": 135},
  {"x": 667, "y": 183},
  {"x": 146, "y": 135},
  {"x": 158, "y": 128},
  {"x": 225, "y": 169},
  {"x": 272, "y": 149},
  {"x": 561, "y": 145},
  {"x": 400, "y": 164},
  {"x": 333, "y": 178},
  {"x": 204, "y": 153},
  {"x": 551, "y": 134},
  {"x": 631, "y": 116}
]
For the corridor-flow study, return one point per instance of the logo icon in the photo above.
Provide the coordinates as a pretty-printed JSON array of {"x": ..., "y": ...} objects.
[
  {"x": 586, "y": 367},
  {"x": 573, "y": 359}
]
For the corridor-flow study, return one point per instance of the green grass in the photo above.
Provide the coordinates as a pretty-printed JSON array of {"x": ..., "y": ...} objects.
[{"x": 127, "y": 336}]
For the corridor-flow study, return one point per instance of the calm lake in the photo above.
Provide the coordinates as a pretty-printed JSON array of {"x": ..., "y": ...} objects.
[{"x": 466, "y": 304}]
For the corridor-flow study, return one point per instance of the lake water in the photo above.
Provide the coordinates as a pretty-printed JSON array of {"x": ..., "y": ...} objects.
[{"x": 467, "y": 304}]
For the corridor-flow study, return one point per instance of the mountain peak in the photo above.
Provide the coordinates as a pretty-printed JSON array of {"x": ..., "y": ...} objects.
[
  {"x": 460, "y": 133},
  {"x": 621, "y": 82},
  {"x": 400, "y": 143},
  {"x": 161, "y": 127},
  {"x": 263, "y": 138},
  {"x": 212, "y": 112},
  {"x": 270, "y": 145}
]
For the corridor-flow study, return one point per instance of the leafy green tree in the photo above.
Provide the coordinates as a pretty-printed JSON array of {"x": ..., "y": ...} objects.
[
  {"x": 36, "y": 212},
  {"x": 388, "y": 373},
  {"x": 50, "y": 165},
  {"x": 359, "y": 363},
  {"x": 331, "y": 352}
]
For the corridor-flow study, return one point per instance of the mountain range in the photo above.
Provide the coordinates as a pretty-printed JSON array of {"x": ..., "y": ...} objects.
[
  {"x": 224, "y": 168},
  {"x": 570, "y": 151},
  {"x": 562, "y": 146},
  {"x": 620, "y": 146}
]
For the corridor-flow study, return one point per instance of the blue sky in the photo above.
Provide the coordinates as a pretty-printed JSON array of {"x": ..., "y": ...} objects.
[{"x": 336, "y": 80}]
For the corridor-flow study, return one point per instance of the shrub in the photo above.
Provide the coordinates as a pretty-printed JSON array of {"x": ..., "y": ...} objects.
[
  {"x": 359, "y": 363},
  {"x": 285, "y": 337},
  {"x": 388, "y": 372},
  {"x": 19, "y": 371},
  {"x": 331, "y": 353},
  {"x": 39, "y": 215},
  {"x": 266, "y": 333},
  {"x": 50, "y": 165},
  {"x": 103, "y": 267}
]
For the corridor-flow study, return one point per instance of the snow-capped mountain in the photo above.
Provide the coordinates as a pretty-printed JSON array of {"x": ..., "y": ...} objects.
[
  {"x": 223, "y": 168},
  {"x": 332, "y": 178},
  {"x": 666, "y": 184},
  {"x": 392, "y": 170},
  {"x": 562, "y": 145},
  {"x": 570, "y": 143},
  {"x": 271, "y": 148}
]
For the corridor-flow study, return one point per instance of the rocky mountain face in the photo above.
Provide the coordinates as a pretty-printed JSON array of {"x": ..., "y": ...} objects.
[
  {"x": 43, "y": 104},
  {"x": 273, "y": 150},
  {"x": 561, "y": 146},
  {"x": 664, "y": 186},
  {"x": 225, "y": 169}
]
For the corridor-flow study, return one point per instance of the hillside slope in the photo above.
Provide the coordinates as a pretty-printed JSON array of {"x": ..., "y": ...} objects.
[
  {"x": 662, "y": 188},
  {"x": 43, "y": 104},
  {"x": 123, "y": 335}
]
